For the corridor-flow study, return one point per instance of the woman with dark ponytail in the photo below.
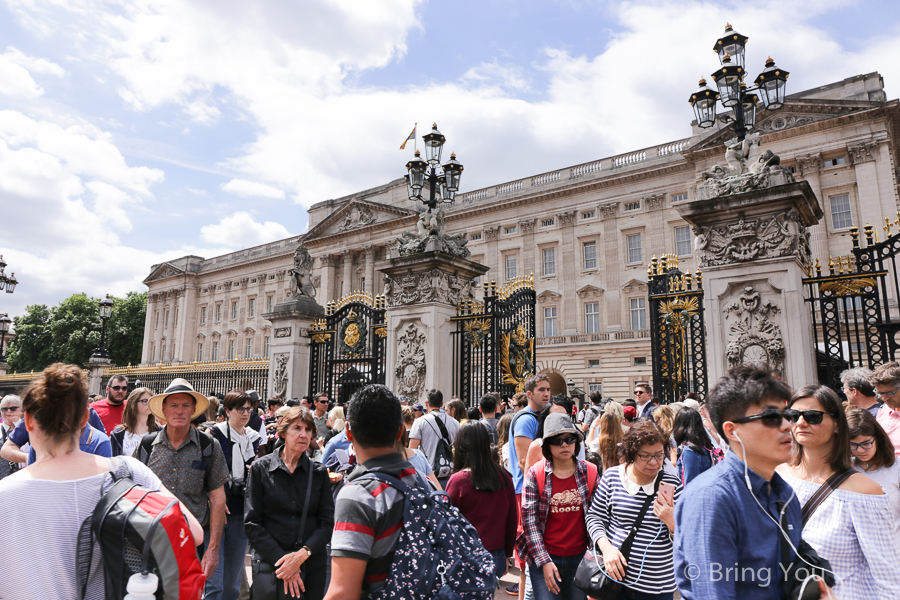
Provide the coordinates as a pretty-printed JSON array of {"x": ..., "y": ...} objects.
[
  {"x": 484, "y": 493},
  {"x": 695, "y": 450}
]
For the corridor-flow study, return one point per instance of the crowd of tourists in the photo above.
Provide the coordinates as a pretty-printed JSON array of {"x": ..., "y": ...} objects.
[{"x": 761, "y": 491}]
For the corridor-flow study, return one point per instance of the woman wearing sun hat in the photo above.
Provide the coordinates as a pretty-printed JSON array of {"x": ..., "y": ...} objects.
[
  {"x": 556, "y": 497},
  {"x": 190, "y": 464}
]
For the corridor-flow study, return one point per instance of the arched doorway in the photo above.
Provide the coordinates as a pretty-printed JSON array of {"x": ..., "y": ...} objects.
[{"x": 557, "y": 383}]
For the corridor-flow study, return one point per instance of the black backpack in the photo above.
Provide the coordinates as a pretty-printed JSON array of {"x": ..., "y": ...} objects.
[
  {"x": 492, "y": 430},
  {"x": 146, "y": 447},
  {"x": 442, "y": 461}
]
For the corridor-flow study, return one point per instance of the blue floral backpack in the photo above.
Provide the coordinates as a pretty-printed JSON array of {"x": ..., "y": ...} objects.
[{"x": 438, "y": 554}]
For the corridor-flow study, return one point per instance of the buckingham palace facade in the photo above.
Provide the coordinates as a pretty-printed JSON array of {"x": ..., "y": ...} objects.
[{"x": 587, "y": 233}]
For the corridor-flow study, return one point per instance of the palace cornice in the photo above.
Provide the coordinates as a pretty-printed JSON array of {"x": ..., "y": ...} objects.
[
  {"x": 887, "y": 110},
  {"x": 368, "y": 231},
  {"x": 339, "y": 213}
]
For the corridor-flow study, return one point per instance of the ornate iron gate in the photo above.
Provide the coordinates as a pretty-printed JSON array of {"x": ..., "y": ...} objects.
[
  {"x": 493, "y": 345},
  {"x": 347, "y": 350},
  {"x": 677, "y": 331},
  {"x": 850, "y": 309}
]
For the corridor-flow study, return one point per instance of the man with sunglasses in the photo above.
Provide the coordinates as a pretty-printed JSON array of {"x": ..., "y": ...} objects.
[
  {"x": 728, "y": 524},
  {"x": 886, "y": 380},
  {"x": 643, "y": 396},
  {"x": 112, "y": 408}
]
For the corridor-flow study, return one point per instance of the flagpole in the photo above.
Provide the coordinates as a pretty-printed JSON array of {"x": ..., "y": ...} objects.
[{"x": 416, "y": 139}]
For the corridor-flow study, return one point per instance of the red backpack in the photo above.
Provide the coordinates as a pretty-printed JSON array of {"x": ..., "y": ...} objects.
[
  {"x": 140, "y": 530},
  {"x": 592, "y": 474}
]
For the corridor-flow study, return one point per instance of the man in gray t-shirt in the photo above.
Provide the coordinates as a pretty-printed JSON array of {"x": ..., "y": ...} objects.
[{"x": 425, "y": 432}]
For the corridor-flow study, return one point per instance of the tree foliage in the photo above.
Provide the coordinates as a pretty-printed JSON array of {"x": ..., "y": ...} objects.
[{"x": 70, "y": 332}]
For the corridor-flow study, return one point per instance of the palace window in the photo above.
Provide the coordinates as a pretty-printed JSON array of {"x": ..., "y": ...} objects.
[
  {"x": 833, "y": 162},
  {"x": 510, "y": 267},
  {"x": 638, "y": 313},
  {"x": 218, "y": 312},
  {"x": 269, "y": 301},
  {"x": 231, "y": 350},
  {"x": 640, "y": 361},
  {"x": 840, "y": 212},
  {"x": 162, "y": 353},
  {"x": 549, "y": 321},
  {"x": 199, "y": 352},
  {"x": 267, "y": 347},
  {"x": 633, "y": 243},
  {"x": 590, "y": 255},
  {"x": 679, "y": 197},
  {"x": 593, "y": 363},
  {"x": 549, "y": 255},
  {"x": 588, "y": 215},
  {"x": 548, "y": 222},
  {"x": 251, "y": 307},
  {"x": 592, "y": 317},
  {"x": 511, "y": 229},
  {"x": 215, "y": 355},
  {"x": 633, "y": 205},
  {"x": 202, "y": 315},
  {"x": 234, "y": 310},
  {"x": 683, "y": 241},
  {"x": 595, "y": 387},
  {"x": 475, "y": 236},
  {"x": 249, "y": 348}
]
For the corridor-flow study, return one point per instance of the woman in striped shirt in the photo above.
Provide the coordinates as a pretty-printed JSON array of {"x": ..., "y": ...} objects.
[{"x": 647, "y": 572}]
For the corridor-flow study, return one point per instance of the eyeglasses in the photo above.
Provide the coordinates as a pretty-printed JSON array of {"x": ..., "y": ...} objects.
[
  {"x": 559, "y": 441},
  {"x": 118, "y": 388},
  {"x": 639, "y": 392},
  {"x": 770, "y": 418},
  {"x": 659, "y": 457},
  {"x": 9, "y": 408},
  {"x": 887, "y": 394},
  {"x": 322, "y": 401},
  {"x": 812, "y": 417},
  {"x": 862, "y": 445},
  {"x": 144, "y": 401},
  {"x": 245, "y": 409}
]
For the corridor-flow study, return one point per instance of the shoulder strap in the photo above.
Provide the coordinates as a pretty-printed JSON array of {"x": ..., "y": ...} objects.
[
  {"x": 306, "y": 503},
  {"x": 625, "y": 548},
  {"x": 540, "y": 466},
  {"x": 512, "y": 430},
  {"x": 593, "y": 476},
  {"x": 147, "y": 447},
  {"x": 385, "y": 478},
  {"x": 823, "y": 492},
  {"x": 206, "y": 443},
  {"x": 444, "y": 433}
]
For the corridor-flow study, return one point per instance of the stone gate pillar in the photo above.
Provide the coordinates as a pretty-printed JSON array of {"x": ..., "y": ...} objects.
[
  {"x": 422, "y": 292},
  {"x": 752, "y": 247},
  {"x": 289, "y": 351}
]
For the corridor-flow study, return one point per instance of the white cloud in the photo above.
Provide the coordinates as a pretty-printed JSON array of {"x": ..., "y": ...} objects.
[
  {"x": 33, "y": 64},
  {"x": 203, "y": 112},
  {"x": 241, "y": 231},
  {"x": 242, "y": 187}
]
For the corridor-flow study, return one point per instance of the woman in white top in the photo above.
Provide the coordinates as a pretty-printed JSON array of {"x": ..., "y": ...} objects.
[
  {"x": 873, "y": 454},
  {"x": 137, "y": 421},
  {"x": 54, "y": 496},
  {"x": 853, "y": 527}
]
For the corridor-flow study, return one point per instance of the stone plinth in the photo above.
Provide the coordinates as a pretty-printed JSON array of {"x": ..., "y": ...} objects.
[
  {"x": 752, "y": 248},
  {"x": 95, "y": 367},
  {"x": 422, "y": 292},
  {"x": 289, "y": 352}
]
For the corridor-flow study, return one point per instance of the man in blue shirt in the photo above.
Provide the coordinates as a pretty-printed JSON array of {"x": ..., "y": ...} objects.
[
  {"x": 727, "y": 536},
  {"x": 338, "y": 442}
]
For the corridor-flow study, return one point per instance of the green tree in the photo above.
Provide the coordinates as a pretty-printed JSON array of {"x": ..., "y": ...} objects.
[{"x": 70, "y": 332}]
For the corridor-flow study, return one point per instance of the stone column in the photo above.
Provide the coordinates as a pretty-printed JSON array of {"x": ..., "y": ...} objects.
[
  {"x": 370, "y": 251},
  {"x": 566, "y": 256},
  {"x": 348, "y": 272},
  {"x": 526, "y": 228},
  {"x": 422, "y": 292},
  {"x": 290, "y": 348},
  {"x": 329, "y": 274},
  {"x": 492, "y": 254},
  {"x": 810, "y": 166},
  {"x": 148, "y": 328},
  {"x": 96, "y": 367},
  {"x": 610, "y": 254},
  {"x": 862, "y": 156},
  {"x": 752, "y": 279}
]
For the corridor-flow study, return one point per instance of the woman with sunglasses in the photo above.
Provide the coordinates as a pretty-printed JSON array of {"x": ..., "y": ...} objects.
[
  {"x": 557, "y": 494},
  {"x": 137, "y": 421},
  {"x": 240, "y": 444},
  {"x": 647, "y": 572},
  {"x": 853, "y": 526},
  {"x": 873, "y": 454}
]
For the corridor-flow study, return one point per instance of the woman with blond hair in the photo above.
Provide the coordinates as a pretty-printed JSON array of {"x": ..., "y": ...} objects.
[
  {"x": 137, "y": 421},
  {"x": 665, "y": 417},
  {"x": 609, "y": 439}
]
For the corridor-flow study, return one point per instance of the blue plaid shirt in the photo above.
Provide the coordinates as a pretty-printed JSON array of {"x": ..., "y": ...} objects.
[{"x": 726, "y": 548}]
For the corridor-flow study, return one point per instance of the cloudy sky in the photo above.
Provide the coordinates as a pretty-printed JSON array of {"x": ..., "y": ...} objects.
[{"x": 135, "y": 131}]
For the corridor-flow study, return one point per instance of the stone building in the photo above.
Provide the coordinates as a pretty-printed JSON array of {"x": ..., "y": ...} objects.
[{"x": 587, "y": 233}]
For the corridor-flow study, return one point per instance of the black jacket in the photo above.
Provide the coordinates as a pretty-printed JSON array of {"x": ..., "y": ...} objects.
[{"x": 273, "y": 506}]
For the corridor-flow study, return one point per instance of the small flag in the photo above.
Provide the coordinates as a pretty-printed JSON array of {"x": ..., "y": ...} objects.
[{"x": 411, "y": 136}]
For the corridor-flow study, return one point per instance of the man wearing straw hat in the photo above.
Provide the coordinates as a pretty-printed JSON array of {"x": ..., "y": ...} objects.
[{"x": 190, "y": 464}]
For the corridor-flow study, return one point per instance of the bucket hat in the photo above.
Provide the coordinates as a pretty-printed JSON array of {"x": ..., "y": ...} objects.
[
  {"x": 178, "y": 386},
  {"x": 559, "y": 423}
]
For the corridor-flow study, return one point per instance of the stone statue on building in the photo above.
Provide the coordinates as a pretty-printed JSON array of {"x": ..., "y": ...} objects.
[
  {"x": 431, "y": 234},
  {"x": 747, "y": 167},
  {"x": 301, "y": 274}
]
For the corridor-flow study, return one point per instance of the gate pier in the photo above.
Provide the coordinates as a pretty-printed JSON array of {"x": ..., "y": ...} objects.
[
  {"x": 422, "y": 291},
  {"x": 754, "y": 249},
  {"x": 290, "y": 350}
]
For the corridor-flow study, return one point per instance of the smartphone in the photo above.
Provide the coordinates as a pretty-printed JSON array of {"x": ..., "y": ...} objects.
[{"x": 667, "y": 493}]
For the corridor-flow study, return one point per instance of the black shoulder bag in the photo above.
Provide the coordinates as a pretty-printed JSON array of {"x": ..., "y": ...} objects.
[
  {"x": 808, "y": 563},
  {"x": 266, "y": 586},
  {"x": 591, "y": 577}
]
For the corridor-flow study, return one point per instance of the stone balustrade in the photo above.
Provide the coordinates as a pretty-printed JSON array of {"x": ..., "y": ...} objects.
[{"x": 593, "y": 338}]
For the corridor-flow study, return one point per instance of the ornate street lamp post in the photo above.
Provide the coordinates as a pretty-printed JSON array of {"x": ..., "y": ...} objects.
[
  {"x": 7, "y": 283},
  {"x": 106, "y": 308},
  {"x": 4, "y": 329},
  {"x": 442, "y": 181},
  {"x": 733, "y": 92}
]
